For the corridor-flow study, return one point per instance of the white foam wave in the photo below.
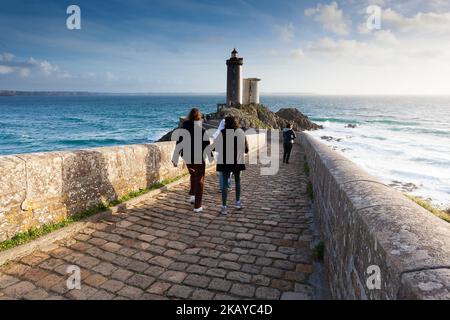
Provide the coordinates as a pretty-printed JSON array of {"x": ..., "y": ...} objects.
[{"x": 396, "y": 156}]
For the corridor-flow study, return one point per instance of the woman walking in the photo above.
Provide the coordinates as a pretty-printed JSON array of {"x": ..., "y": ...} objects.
[
  {"x": 232, "y": 147},
  {"x": 288, "y": 141},
  {"x": 195, "y": 162},
  {"x": 221, "y": 175}
]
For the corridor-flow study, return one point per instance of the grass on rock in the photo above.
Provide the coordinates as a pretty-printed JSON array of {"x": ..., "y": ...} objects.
[
  {"x": 306, "y": 169},
  {"x": 34, "y": 233},
  {"x": 444, "y": 215}
]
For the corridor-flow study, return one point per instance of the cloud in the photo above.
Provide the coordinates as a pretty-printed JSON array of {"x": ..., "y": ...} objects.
[
  {"x": 286, "y": 32},
  {"x": 385, "y": 37},
  {"x": 438, "y": 4},
  {"x": 64, "y": 75},
  {"x": 24, "y": 72},
  {"x": 43, "y": 66},
  {"x": 297, "y": 54},
  {"x": 381, "y": 48},
  {"x": 429, "y": 22},
  {"x": 415, "y": 38},
  {"x": 6, "y": 57},
  {"x": 376, "y": 3},
  {"x": 30, "y": 67},
  {"x": 330, "y": 17},
  {"x": 109, "y": 76},
  {"x": 338, "y": 48},
  {"x": 6, "y": 69}
]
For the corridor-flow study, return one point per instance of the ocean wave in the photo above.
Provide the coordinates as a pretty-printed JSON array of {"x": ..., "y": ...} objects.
[
  {"x": 72, "y": 119},
  {"x": 7, "y": 136},
  {"x": 415, "y": 175},
  {"x": 394, "y": 122},
  {"x": 335, "y": 120},
  {"x": 434, "y": 162},
  {"x": 379, "y": 138},
  {"x": 419, "y": 130}
]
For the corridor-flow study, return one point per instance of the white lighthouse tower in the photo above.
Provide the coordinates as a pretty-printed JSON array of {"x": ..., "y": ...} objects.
[
  {"x": 234, "y": 79},
  {"x": 251, "y": 91}
]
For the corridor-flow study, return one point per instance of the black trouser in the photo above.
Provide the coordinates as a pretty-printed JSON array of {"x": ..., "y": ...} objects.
[
  {"x": 197, "y": 172},
  {"x": 287, "y": 151}
]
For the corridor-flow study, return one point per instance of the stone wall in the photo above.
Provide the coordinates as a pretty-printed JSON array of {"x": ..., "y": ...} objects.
[
  {"x": 42, "y": 188},
  {"x": 365, "y": 223}
]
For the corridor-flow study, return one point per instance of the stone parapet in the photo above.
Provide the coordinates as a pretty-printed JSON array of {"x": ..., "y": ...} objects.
[{"x": 368, "y": 227}]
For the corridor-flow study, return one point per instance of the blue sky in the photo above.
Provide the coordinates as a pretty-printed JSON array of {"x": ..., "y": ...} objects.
[{"x": 181, "y": 46}]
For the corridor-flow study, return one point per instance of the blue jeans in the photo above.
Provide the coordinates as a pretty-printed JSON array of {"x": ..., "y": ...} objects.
[
  {"x": 221, "y": 181},
  {"x": 237, "y": 180}
]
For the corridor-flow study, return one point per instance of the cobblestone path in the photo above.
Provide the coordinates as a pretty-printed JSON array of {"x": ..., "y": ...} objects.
[{"x": 160, "y": 249}]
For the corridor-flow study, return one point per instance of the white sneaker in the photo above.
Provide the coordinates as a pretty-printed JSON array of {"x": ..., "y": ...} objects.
[
  {"x": 239, "y": 205},
  {"x": 192, "y": 199},
  {"x": 223, "y": 210},
  {"x": 198, "y": 210}
]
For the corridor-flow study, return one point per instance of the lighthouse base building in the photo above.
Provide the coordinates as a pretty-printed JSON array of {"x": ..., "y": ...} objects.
[{"x": 251, "y": 91}]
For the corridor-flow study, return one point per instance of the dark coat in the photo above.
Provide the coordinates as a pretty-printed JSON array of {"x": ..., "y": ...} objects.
[
  {"x": 189, "y": 126},
  {"x": 238, "y": 161},
  {"x": 288, "y": 136}
]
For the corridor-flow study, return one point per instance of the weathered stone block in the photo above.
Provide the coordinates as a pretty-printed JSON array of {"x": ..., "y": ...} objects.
[
  {"x": 12, "y": 195},
  {"x": 428, "y": 284}
]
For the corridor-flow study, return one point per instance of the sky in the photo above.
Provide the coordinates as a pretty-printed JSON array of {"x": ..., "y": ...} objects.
[{"x": 133, "y": 46}]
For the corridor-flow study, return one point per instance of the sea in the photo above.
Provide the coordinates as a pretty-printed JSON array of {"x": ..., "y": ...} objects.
[{"x": 402, "y": 140}]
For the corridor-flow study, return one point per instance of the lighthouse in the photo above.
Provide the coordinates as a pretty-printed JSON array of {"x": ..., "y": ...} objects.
[{"x": 234, "y": 79}]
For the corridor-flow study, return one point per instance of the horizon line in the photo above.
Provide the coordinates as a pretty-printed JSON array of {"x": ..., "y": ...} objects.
[{"x": 81, "y": 92}]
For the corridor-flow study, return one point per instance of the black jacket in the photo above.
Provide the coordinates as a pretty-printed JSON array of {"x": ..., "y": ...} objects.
[
  {"x": 237, "y": 163},
  {"x": 288, "y": 136},
  {"x": 194, "y": 142}
]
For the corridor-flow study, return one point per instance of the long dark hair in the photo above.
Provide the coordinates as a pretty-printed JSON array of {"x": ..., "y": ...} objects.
[
  {"x": 194, "y": 115},
  {"x": 231, "y": 123}
]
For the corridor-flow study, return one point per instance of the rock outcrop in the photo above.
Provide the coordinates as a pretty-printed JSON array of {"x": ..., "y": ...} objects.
[
  {"x": 167, "y": 136},
  {"x": 261, "y": 117},
  {"x": 298, "y": 119},
  {"x": 258, "y": 116}
]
